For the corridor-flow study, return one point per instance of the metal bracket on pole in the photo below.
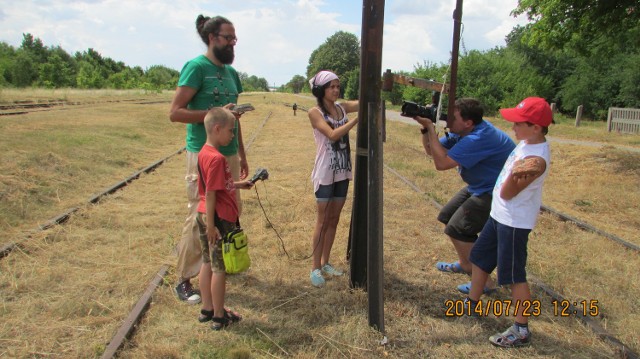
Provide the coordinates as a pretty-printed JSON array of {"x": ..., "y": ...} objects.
[{"x": 389, "y": 78}]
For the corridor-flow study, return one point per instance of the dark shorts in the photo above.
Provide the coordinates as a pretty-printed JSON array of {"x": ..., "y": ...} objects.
[
  {"x": 465, "y": 215},
  {"x": 333, "y": 192},
  {"x": 504, "y": 247},
  {"x": 214, "y": 255}
]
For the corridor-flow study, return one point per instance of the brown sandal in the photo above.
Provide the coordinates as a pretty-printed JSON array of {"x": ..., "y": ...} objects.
[{"x": 205, "y": 315}]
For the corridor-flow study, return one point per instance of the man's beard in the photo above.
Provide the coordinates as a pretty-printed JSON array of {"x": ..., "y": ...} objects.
[{"x": 224, "y": 55}]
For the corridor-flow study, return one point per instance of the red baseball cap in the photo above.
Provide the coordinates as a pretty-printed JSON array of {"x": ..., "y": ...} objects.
[{"x": 535, "y": 110}]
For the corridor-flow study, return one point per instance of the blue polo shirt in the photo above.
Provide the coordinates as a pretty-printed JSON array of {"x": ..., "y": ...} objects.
[{"x": 480, "y": 155}]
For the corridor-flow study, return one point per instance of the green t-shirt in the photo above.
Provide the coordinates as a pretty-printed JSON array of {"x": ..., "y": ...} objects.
[{"x": 216, "y": 86}]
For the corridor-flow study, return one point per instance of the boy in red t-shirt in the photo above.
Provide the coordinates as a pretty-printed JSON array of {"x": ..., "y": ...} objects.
[{"x": 217, "y": 210}]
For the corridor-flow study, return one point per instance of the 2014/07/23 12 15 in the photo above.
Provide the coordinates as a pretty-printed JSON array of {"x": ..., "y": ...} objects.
[{"x": 506, "y": 307}]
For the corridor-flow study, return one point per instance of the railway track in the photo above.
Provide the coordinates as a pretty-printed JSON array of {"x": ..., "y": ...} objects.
[
  {"x": 132, "y": 320},
  {"x": 63, "y": 217},
  {"x": 23, "y": 108}
]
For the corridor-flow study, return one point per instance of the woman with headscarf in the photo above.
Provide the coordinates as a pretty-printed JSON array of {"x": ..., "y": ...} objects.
[{"x": 332, "y": 169}]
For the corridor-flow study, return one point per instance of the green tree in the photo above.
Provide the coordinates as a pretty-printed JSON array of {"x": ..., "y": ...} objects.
[
  {"x": 580, "y": 23},
  {"x": 7, "y": 58},
  {"x": 340, "y": 53},
  {"x": 555, "y": 64},
  {"x": 101, "y": 66},
  {"x": 67, "y": 66},
  {"x": 629, "y": 74},
  {"x": 589, "y": 48},
  {"x": 125, "y": 79},
  {"x": 253, "y": 83},
  {"x": 54, "y": 73},
  {"x": 24, "y": 70},
  {"x": 89, "y": 76},
  {"x": 296, "y": 84},
  {"x": 35, "y": 48},
  {"x": 598, "y": 85},
  {"x": 500, "y": 78},
  {"x": 161, "y": 77},
  {"x": 352, "y": 85}
]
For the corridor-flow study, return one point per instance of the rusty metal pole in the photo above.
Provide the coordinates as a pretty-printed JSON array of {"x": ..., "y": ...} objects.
[
  {"x": 457, "y": 21},
  {"x": 365, "y": 239}
]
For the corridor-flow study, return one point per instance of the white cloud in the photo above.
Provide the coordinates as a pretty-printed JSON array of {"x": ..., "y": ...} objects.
[{"x": 276, "y": 37}]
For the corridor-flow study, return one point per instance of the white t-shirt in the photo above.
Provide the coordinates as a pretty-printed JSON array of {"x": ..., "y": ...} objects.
[
  {"x": 333, "y": 159},
  {"x": 522, "y": 210}
]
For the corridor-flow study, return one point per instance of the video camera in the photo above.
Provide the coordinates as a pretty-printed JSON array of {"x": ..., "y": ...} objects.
[
  {"x": 261, "y": 174},
  {"x": 412, "y": 109}
]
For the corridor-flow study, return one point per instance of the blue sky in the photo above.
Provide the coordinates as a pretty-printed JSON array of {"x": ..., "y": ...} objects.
[{"x": 276, "y": 37}]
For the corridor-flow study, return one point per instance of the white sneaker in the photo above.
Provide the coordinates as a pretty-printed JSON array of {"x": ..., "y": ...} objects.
[
  {"x": 330, "y": 270},
  {"x": 317, "y": 280}
]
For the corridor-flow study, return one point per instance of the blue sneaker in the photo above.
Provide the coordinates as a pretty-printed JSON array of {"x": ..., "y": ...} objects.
[
  {"x": 317, "y": 280},
  {"x": 466, "y": 287},
  {"x": 330, "y": 270}
]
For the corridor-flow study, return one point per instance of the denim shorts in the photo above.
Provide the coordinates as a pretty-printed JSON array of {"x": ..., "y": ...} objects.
[
  {"x": 465, "y": 215},
  {"x": 333, "y": 192},
  {"x": 504, "y": 247}
]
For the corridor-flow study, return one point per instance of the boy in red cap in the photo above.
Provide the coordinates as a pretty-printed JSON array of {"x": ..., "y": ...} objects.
[{"x": 517, "y": 197}]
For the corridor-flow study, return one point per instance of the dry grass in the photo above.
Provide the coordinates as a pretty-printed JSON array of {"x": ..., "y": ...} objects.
[
  {"x": 67, "y": 291},
  {"x": 54, "y": 160}
]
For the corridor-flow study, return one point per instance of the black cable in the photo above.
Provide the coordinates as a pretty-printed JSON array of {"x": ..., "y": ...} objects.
[
  {"x": 324, "y": 220},
  {"x": 284, "y": 249},
  {"x": 271, "y": 224}
]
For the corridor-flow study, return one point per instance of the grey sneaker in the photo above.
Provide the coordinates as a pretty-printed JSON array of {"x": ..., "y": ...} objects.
[
  {"x": 186, "y": 293},
  {"x": 330, "y": 270},
  {"x": 317, "y": 280},
  {"x": 510, "y": 338}
]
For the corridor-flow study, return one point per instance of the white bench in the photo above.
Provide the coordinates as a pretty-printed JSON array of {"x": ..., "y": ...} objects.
[{"x": 623, "y": 120}]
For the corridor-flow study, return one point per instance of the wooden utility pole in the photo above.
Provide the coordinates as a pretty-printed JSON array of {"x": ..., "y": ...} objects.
[
  {"x": 365, "y": 249},
  {"x": 457, "y": 21},
  {"x": 579, "y": 115},
  {"x": 365, "y": 239}
]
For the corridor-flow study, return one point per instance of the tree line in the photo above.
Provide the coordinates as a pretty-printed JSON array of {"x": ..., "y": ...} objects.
[
  {"x": 574, "y": 52},
  {"x": 33, "y": 64}
]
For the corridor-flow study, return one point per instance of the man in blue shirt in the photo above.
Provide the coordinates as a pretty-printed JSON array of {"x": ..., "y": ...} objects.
[{"x": 479, "y": 151}]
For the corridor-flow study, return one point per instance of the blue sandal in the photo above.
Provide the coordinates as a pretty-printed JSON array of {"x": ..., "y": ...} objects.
[
  {"x": 450, "y": 267},
  {"x": 466, "y": 288}
]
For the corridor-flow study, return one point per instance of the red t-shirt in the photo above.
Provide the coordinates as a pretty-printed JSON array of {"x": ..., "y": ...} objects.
[{"x": 216, "y": 176}]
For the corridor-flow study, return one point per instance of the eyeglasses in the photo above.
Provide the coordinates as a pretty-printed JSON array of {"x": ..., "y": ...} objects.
[{"x": 229, "y": 38}]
